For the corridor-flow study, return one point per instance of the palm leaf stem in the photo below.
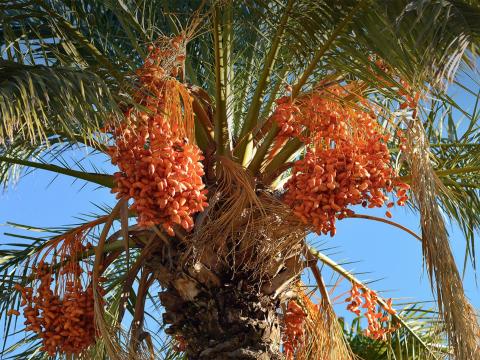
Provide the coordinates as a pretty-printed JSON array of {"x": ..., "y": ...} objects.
[
  {"x": 263, "y": 149},
  {"x": 379, "y": 219},
  {"x": 228, "y": 62},
  {"x": 287, "y": 151},
  {"x": 100, "y": 179},
  {"x": 221, "y": 125},
  {"x": 272, "y": 96},
  {"x": 205, "y": 136},
  {"x": 443, "y": 173},
  {"x": 260, "y": 153},
  {"x": 320, "y": 283},
  {"x": 239, "y": 107},
  {"x": 245, "y": 148}
]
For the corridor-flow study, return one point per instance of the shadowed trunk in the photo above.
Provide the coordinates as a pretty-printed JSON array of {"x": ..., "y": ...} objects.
[{"x": 225, "y": 323}]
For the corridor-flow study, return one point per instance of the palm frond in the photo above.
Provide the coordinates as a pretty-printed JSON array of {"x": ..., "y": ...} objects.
[
  {"x": 455, "y": 150},
  {"x": 459, "y": 315},
  {"x": 37, "y": 102},
  {"x": 97, "y": 178},
  {"x": 424, "y": 41},
  {"x": 401, "y": 345}
]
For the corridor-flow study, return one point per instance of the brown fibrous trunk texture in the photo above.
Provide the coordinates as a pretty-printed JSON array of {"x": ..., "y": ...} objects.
[{"x": 226, "y": 323}]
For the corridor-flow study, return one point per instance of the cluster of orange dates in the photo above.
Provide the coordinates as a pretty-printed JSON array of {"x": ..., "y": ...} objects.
[
  {"x": 165, "y": 58},
  {"x": 64, "y": 320},
  {"x": 293, "y": 332},
  {"x": 376, "y": 318},
  {"x": 314, "y": 116},
  {"x": 159, "y": 167},
  {"x": 347, "y": 163},
  {"x": 285, "y": 116}
]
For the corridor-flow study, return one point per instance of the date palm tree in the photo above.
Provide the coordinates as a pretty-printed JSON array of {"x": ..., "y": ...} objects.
[{"x": 72, "y": 73}]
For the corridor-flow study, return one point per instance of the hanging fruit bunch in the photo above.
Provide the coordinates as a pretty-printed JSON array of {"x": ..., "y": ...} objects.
[
  {"x": 301, "y": 313},
  {"x": 316, "y": 114},
  {"x": 59, "y": 304},
  {"x": 378, "y": 322},
  {"x": 294, "y": 331},
  {"x": 160, "y": 166},
  {"x": 64, "y": 320},
  {"x": 347, "y": 161},
  {"x": 285, "y": 116}
]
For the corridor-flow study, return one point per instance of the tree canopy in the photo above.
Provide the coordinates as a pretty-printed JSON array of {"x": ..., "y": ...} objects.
[{"x": 223, "y": 117}]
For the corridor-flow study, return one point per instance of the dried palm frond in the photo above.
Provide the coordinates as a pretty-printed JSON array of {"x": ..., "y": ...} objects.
[
  {"x": 460, "y": 320},
  {"x": 250, "y": 230},
  {"x": 324, "y": 339}
]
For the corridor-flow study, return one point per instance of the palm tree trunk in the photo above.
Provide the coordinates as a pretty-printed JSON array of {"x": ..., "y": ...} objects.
[
  {"x": 228, "y": 322},
  {"x": 223, "y": 304}
]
